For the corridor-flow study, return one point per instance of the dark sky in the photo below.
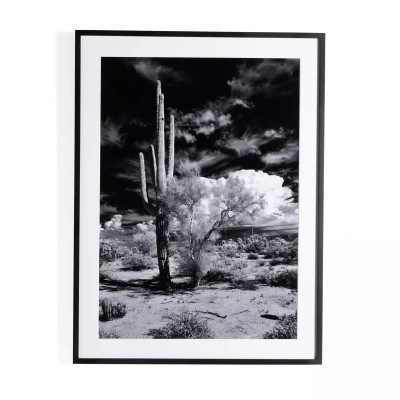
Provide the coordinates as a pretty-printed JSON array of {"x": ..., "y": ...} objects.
[{"x": 230, "y": 114}]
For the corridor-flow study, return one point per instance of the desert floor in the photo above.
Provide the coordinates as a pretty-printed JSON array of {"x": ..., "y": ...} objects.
[{"x": 231, "y": 312}]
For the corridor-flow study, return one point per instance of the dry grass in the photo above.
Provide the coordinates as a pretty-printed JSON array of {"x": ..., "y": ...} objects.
[{"x": 186, "y": 325}]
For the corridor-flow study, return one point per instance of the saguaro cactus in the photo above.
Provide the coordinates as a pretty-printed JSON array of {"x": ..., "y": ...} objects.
[{"x": 159, "y": 178}]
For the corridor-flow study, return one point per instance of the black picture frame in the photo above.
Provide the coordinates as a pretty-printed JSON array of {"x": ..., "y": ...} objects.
[{"x": 320, "y": 37}]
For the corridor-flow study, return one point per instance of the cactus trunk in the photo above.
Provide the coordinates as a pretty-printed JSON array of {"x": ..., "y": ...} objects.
[
  {"x": 162, "y": 233},
  {"x": 159, "y": 178}
]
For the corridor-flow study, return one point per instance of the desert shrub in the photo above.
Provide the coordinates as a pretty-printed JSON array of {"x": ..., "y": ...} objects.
[
  {"x": 211, "y": 266},
  {"x": 237, "y": 265},
  {"x": 284, "y": 278},
  {"x": 194, "y": 269},
  {"x": 111, "y": 249},
  {"x": 112, "y": 309},
  {"x": 145, "y": 242},
  {"x": 224, "y": 269},
  {"x": 186, "y": 325},
  {"x": 108, "y": 335},
  {"x": 229, "y": 248},
  {"x": 255, "y": 244},
  {"x": 219, "y": 275},
  {"x": 276, "y": 261},
  {"x": 253, "y": 256},
  {"x": 138, "y": 262},
  {"x": 244, "y": 284},
  {"x": 261, "y": 263},
  {"x": 285, "y": 328},
  {"x": 281, "y": 248},
  {"x": 106, "y": 272}
]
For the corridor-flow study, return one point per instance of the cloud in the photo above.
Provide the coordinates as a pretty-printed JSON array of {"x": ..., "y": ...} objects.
[
  {"x": 152, "y": 70},
  {"x": 204, "y": 121},
  {"x": 279, "y": 208},
  {"x": 281, "y": 133},
  {"x": 224, "y": 120},
  {"x": 146, "y": 226},
  {"x": 107, "y": 209},
  {"x": 246, "y": 144},
  {"x": 115, "y": 224},
  {"x": 241, "y": 102},
  {"x": 133, "y": 217},
  {"x": 202, "y": 159},
  {"x": 111, "y": 134},
  {"x": 271, "y": 77},
  {"x": 184, "y": 134},
  {"x": 287, "y": 154},
  {"x": 130, "y": 168}
]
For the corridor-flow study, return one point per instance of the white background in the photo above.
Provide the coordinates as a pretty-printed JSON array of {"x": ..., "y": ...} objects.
[{"x": 362, "y": 271}]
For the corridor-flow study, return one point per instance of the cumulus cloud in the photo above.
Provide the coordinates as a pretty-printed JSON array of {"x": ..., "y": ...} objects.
[
  {"x": 278, "y": 209},
  {"x": 287, "y": 154},
  {"x": 270, "y": 77},
  {"x": 111, "y": 134},
  {"x": 115, "y": 224}
]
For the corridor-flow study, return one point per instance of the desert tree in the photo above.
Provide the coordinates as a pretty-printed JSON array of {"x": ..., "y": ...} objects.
[
  {"x": 227, "y": 201},
  {"x": 158, "y": 206}
]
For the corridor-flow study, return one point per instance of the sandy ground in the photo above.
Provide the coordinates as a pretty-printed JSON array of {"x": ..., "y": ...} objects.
[{"x": 147, "y": 306}]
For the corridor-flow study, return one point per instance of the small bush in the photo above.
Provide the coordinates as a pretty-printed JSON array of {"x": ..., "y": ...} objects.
[
  {"x": 218, "y": 275},
  {"x": 112, "y": 309},
  {"x": 224, "y": 269},
  {"x": 285, "y": 278},
  {"x": 108, "y": 335},
  {"x": 285, "y": 328},
  {"x": 283, "y": 249},
  {"x": 244, "y": 284},
  {"x": 253, "y": 256},
  {"x": 138, "y": 262},
  {"x": 230, "y": 248},
  {"x": 145, "y": 242},
  {"x": 183, "y": 326},
  {"x": 111, "y": 249},
  {"x": 255, "y": 244}
]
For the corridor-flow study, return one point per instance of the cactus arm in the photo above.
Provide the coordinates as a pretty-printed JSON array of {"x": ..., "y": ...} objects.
[
  {"x": 171, "y": 147},
  {"x": 153, "y": 166},
  {"x": 149, "y": 207},
  {"x": 161, "y": 176},
  {"x": 158, "y": 94}
]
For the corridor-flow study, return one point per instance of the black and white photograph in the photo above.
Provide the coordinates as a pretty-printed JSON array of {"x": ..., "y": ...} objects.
[{"x": 199, "y": 198}]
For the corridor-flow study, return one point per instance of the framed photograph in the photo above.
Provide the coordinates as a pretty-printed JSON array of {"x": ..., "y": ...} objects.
[{"x": 198, "y": 197}]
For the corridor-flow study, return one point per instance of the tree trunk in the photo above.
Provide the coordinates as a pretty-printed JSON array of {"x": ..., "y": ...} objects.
[{"x": 162, "y": 233}]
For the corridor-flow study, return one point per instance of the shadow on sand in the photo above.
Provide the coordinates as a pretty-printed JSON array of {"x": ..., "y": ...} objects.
[{"x": 146, "y": 286}]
